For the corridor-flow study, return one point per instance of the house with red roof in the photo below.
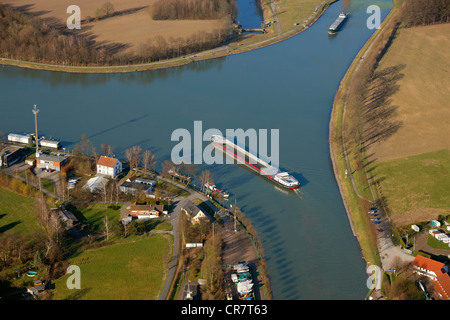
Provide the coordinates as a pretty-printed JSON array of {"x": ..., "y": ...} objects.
[
  {"x": 435, "y": 270},
  {"x": 109, "y": 166}
]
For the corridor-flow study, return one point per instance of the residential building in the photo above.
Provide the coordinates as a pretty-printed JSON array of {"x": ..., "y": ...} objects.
[
  {"x": 54, "y": 162},
  {"x": 10, "y": 155},
  {"x": 38, "y": 287},
  {"x": 193, "y": 211},
  {"x": 436, "y": 271},
  {"x": 67, "y": 217},
  {"x": 109, "y": 166},
  {"x": 146, "y": 211},
  {"x": 136, "y": 185}
]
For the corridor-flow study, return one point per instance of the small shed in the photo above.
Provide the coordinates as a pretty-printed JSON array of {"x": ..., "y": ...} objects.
[{"x": 38, "y": 286}]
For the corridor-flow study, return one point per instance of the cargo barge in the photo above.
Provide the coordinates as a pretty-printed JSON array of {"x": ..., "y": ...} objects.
[
  {"x": 337, "y": 24},
  {"x": 261, "y": 167}
]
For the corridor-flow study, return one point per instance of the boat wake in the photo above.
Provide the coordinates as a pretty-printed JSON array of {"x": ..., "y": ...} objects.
[{"x": 299, "y": 193}]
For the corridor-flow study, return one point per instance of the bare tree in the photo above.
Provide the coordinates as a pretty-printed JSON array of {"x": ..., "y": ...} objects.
[
  {"x": 104, "y": 188},
  {"x": 108, "y": 8},
  {"x": 107, "y": 149},
  {"x": 148, "y": 160},
  {"x": 133, "y": 156},
  {"x": 107, "y": 227},
  {"x": 206, "y": 177}
]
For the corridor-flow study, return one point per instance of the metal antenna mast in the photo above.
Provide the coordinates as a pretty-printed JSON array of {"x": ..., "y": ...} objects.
[{"x": 35, "y": 112}]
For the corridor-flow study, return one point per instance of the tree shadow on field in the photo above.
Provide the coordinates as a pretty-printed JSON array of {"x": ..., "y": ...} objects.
[
  {"x": 78, "y": 294},
  {"x": 379, "y": 114},
  {"x": 9, "y": 226}
]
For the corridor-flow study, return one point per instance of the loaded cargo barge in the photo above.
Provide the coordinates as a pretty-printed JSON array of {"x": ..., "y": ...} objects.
[
  {"x": 261, "y": 167},
  {"x": 338, "y": 23}
]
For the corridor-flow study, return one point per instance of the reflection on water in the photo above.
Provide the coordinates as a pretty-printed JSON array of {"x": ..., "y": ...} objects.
[{"x": 87, "y": 80}]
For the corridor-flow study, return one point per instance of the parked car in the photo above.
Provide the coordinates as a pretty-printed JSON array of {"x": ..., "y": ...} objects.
[{"x": 380, "y": 230}]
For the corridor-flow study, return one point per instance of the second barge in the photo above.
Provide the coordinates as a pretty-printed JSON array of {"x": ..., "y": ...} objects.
[
  {"x": 338, "y": 23},
  {"x": 261, "y": 167}
]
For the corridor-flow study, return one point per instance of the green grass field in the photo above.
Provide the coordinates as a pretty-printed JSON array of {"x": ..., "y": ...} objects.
[
  {"x": 16, "y": 213},
  {"x": 94, "y": 214},
  {"x": 132, "y": 270},
  {"x": 416, "y": 187}
]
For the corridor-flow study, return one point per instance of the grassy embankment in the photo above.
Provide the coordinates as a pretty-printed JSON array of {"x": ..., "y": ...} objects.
[
  {"x": 293, "y": 18},
  {"x": 355, "y": 206},
  {"x": 408, "y": 168}
]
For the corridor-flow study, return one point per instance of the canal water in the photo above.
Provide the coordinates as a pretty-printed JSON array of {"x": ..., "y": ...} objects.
[{"x": 290, "y": 86}]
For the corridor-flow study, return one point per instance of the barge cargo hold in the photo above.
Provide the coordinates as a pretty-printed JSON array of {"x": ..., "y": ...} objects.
[
  {"x": 260, "y": 166},
  {"x": 337, "y": 24}
]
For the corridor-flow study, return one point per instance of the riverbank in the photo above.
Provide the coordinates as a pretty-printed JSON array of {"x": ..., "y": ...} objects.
[
  {"x": 355, "y": 203},
  {"x": 232, "y": 47}
]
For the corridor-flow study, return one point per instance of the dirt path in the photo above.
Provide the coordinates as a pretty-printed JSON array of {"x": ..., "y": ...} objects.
[{"x": 238, "y": 247}]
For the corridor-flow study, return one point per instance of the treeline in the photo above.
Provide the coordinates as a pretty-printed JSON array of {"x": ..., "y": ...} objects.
[
  {"x": 28, "y": 38},
  {"x": 371, "y": 116},
  {"x": 193, "y": 9},
  {"x": 424, "y": 12},
  {"x": 162, "y": 48}
]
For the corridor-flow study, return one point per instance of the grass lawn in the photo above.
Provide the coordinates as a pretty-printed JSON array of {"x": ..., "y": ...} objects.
[
  {"x": 294, "y": 11},
  {"x": 17, "y": 213},
  {"x": 434, "y": 243},
  {"x": 123, "y": 271},
  {"x": 94, "y": 214},
  {"x": 423, "y": 92},
  {"x": 416, "y": 187}
]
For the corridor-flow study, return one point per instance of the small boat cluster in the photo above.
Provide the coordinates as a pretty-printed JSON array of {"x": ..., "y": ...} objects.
[
  {"x": 242, "y": 278},
  {"x": 215, "y": 192}
]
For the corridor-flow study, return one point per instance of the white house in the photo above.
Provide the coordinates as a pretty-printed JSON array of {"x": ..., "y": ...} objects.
[
  {"x": 109, "y": 166},
  {"x": 193, "y": 211}
]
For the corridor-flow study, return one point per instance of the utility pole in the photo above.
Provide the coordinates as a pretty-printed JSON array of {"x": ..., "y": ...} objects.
[
  {"x": 35, "y": 112},
  {"x": 235, "y": 216}
]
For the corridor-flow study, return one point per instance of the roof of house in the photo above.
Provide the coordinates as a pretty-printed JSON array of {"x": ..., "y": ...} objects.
[
  {"x": 428, "y": 264},
  {"x": 9, "y": 150},
  {"x": 135, "y": 186},
  {"x": 107, "y": 161},
  {"x": 191, "y": 208},
  {"x": 151, "y": 207},
  {"x": 442, "y": 284},
  {"x": 52, "y": 158}
]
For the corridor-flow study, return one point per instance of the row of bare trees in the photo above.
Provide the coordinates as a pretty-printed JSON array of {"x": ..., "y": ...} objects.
[
  {"x": 28, "y": 38},
  {"x": 193, "y": 9},
  {"x": 424, "y": 12},
  {"x": 160, "y": 47},
  {"x": 371, "y": 116},
  {"x": 25, "y": 37},
  {"x": 136, "y": 156}
]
